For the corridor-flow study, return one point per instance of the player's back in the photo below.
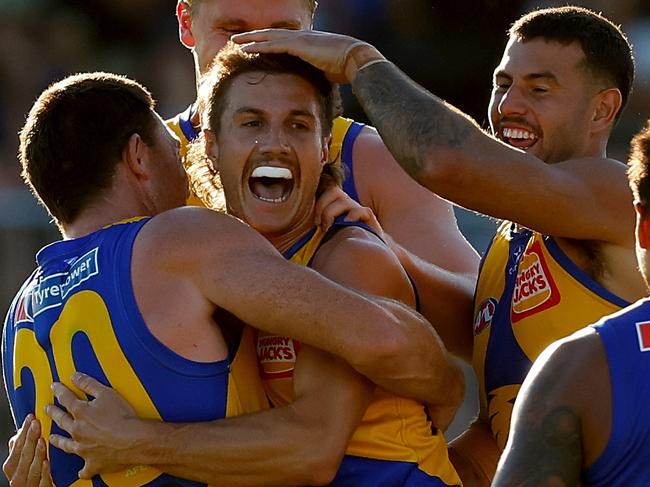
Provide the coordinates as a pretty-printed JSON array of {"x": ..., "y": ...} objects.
[
  {"x": 77, "y": 312},
  {"x": 626, "y": 338}
]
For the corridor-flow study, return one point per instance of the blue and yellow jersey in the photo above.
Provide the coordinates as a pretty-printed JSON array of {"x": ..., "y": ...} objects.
[
  {"x": 626, "y": 339},
  {"x": 77, "y": 312},
  {"x": 529, "y": 294},
  {"x": 394, "y": 443},
  {"x": 344, "y": 133}
]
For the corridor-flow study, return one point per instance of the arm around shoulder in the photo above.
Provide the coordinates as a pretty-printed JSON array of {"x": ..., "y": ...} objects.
[{"x": 408, "y": 359}]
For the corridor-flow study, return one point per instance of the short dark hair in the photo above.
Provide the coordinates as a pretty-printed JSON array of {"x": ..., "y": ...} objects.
[
  {"x": 608, "y": 54},
  {"x": 75, "y": 134},
  {"x": 230, "y": 63},
  {"x": 639, "y": 162}
]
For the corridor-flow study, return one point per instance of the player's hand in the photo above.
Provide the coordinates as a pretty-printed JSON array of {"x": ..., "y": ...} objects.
[
  {"x": 27, "y": 465},
  {"x": 331, "y": 53},
  {"x": 334, "y": 202},
  {"x": 101, "y": 429}
]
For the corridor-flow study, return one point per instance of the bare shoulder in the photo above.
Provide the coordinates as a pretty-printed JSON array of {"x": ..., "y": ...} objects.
[
  {"x": 562, "y": 416},
  {"x": 565, "y": 377},
  {"x": 356, "y": 258},
  {"x": 186, "y": 233}
]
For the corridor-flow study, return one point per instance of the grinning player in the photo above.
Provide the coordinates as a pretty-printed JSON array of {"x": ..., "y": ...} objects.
[
  {"x": 416, "y": 218},
  {"x": 563, "y": 257},
  {"x": 593, "y": 426},
  {"x": 141, "y": 294}
]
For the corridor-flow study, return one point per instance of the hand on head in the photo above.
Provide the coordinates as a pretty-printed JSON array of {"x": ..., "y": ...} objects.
[{"x": 339, "y": 56}]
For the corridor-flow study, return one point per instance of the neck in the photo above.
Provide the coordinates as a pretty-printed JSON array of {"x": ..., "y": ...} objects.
[
  {"x": 91, "y": 221},
  {"x": 284, "y": 240}
]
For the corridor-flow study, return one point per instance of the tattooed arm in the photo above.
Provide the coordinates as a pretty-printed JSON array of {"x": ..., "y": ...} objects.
[
  {"x": 447, "y": 152},
  {"x": 562, "y": 416}
]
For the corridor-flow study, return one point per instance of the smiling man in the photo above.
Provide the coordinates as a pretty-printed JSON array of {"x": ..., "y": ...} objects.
[
  {"x": 564, "y": 256},
  {"x": 330, "y": 424}
]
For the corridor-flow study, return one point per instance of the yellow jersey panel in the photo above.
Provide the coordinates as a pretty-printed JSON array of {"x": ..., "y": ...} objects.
[
  {"x": 393, "y": 428},
  {"x": 529, "y": 294}
]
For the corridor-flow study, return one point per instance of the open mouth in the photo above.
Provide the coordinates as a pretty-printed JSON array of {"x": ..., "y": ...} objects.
[
  {"x": 520, "y": 138},
  {"x": 271, "y": 184}
]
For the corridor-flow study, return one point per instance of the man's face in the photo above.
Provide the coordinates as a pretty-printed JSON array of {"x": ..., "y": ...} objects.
[
  {"x": 170, "y": 188},
  {"x": 213, "y": 22},
  {"x": 542, "y": 99},
  {"x": 270, "y": 151}
]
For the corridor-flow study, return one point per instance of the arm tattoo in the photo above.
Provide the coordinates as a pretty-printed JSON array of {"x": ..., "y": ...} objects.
[
  {"x": 412, "y": 122},
  {"x": 546, "y": 453}
]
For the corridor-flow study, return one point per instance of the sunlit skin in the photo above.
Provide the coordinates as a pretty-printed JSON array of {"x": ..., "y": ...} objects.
[
  {"x": 281, "y": 131},
  {"x": 170, "y": 179},
  {"x": 542, "y": 98},
  {"x": 214, "y": 21},
  {"x": 642, "y": 243}
]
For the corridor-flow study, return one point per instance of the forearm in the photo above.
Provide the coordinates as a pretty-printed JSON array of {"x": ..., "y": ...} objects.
[
  {"x": 261, "y": 449},
  {"x": 446, "y": 300},
  {"x": 419, "y": 367},
  {"x": 417, "y": 127}
]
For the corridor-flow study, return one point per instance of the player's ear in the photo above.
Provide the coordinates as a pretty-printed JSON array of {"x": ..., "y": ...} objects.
[
  {"x": 185, "y": 24},
  {"x": 211, "y": 148},
  {"x": 608, "y": 104},
  {"x": 642, "y": 225},
  {"x": 135, "y": 156},
  {"x": 325, "y": 151}
]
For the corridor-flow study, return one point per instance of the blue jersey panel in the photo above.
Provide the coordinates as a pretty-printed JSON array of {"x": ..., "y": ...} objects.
[
  {"x": 77, "y": 312},
  {"x": 626, "y": 338}
]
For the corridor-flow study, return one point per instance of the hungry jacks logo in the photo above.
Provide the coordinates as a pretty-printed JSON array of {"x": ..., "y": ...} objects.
[
  {"x": 276, "y": 356},
  {"x": 535, "y": 289}
]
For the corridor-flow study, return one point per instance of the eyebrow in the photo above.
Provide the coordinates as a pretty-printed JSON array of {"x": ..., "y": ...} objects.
[
  {"x": 235, "y": 22},
  {"x": 543, "y": 75},
  {"x": 252, "y": 110},
  {"x": 257, "y": 111}
]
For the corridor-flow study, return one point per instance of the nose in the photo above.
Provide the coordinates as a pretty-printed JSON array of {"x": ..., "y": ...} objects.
[
  {"x": 512, "y": 102},
  {"x": 273, "y": 141}
]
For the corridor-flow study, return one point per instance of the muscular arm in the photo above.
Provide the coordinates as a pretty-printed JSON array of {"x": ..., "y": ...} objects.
[
  {"x": 381, "y": 338},
  {"x": 273, "y": 447},
  {"x": 562, "y": 416},
  {"x": 415, "y": 217},
  {"x": 446, "y": 299},
  {"x": 362, "y": 262},
  {"x": 447, "y": 152}
]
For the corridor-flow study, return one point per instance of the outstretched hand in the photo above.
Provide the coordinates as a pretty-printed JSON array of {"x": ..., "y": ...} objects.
[
  {"x": 338, "y": 56},
  {"x": 99, "y": 429},
  {"x": 27, "y": 465}
]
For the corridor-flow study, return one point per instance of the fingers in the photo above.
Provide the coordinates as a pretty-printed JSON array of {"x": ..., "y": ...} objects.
[
  {"x": 60, "y": 417},
  {"x": 367, "y": 216},
  {"x": 88, "y": 385},
  {"x": 46, "y": 476},
  {"x": 67, "y": 399},
  {"x": 329, "y": 196},
  {"x": 68, "y": 445},
  {"x": 262, "y": 35},
  {"x": 16, "y": 446},
  {"x": 23, "y": 473},
  {"x": 36, "y": 467}
]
